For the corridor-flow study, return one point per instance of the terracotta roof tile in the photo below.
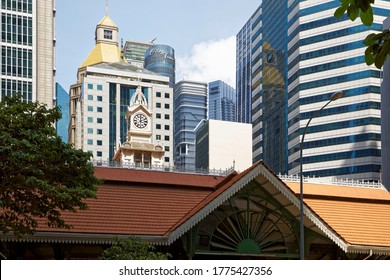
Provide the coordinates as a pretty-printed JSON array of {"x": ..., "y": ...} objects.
[{"x": 361, "y": 216}]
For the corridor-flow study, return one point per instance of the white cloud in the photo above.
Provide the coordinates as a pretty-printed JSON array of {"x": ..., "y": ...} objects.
[{"x": 209, "y": 61}]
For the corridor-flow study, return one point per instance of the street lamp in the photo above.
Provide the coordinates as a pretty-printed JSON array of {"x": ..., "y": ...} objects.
[{"x": 334, "y": 97}]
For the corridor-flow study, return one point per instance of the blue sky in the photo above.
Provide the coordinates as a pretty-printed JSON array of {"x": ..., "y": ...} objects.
[{"x": 202, "y": 32}]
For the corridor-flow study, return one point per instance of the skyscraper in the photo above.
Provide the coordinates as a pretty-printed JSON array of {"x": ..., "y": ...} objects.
[
  {"x": 134, "y": 52},
  {"x": 326, "y": 55},
  {"x": 190, "y": 108},
  {"x": 261, "y": 82},
  {"x": 301, "y": 55},
  {"x": 161, "y": 60},
  {"x": 27, "y": 50},
  {"x": 222, "y": 102},
  {"x": 244, "y": 73}
]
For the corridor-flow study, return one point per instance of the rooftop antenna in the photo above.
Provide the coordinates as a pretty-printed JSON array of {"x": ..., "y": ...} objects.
[
  {"x": 152, "y": 42},
  {"x": 106, "y": 7}
]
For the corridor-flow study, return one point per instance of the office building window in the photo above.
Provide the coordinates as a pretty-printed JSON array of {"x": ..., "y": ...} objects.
[
  {"x": 90, "y": 97},
  {"x": 158, "y": 94},
  {"x": 158, "y": 116},
  {"x": 99, "y": 98},
  {"x": 90, "y": 108},
  {"x": 158, "y": 126},
  {"x": 90, "y": 119},
  {"x": 99, "y": 142},
  {"x": 90, "y": 130},
  {"x": 166, "y": 159},
  {"x": 166, "y": 138},
  {"x": 166, "y": 127},
  {"x": 90, "y": 142},
  {"x": 99, "y": 131},
  {"x": 99, "y": 109},
  {"x": 166, "y": 148},
  {"x": 158, "y": 137},
  {"x": 99, "y": 87},
  {"x": 99, "y": 153},
  {"x": 167, "y": 117},
  {"x": 90, "y": 86},
  {"x": 166, "y": 95},
  {"x": 99, "y": 120},
  {"x": 166, "y": 106},
  {"x": 158, "y": 105}
]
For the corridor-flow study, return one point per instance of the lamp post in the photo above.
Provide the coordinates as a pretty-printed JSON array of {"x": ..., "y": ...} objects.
[{"x": 334, "y": 97}]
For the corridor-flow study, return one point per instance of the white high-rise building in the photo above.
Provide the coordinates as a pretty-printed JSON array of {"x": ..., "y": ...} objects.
[
  {"x": 104, "y": 94},
  {"x": 326, "y": 55},
  {"x": 28, "y": 50}
]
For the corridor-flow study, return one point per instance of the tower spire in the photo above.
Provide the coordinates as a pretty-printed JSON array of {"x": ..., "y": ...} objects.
[{"x": 106, "y": 7}]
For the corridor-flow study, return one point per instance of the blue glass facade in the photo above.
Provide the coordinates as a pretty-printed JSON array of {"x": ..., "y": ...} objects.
[
  {"x": 190, "y": 108},
  {"x": 62, "y": 99},
  {"x": 243, "y": 73},
  {"x": 161, "y": 60},
  {"x": 268, "y": 83},
  {"x": 222, "y": 102}
]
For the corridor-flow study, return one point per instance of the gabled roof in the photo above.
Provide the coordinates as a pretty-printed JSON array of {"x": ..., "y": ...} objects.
[
  {"x": 162, "y": 206},
  {"x": 107, "y": 21}
]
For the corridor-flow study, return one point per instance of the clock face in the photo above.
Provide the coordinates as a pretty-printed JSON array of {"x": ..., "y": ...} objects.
[{"x": 140, "y": 121}]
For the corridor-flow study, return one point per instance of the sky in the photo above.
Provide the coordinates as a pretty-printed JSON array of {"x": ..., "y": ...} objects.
[{"x": 202, "y": 32}]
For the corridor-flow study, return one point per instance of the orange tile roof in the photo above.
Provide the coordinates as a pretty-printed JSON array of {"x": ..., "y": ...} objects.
[{"x": 360, "y": 216}]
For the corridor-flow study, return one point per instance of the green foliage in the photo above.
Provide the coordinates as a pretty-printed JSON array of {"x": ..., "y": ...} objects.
[
  {"x": 378, "y": 46},
  {"x": 40, "y": 175},
  {"x": 133, "y": 248}
]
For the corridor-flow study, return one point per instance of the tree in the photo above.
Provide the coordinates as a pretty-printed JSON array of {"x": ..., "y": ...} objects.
[
  {"x": 378, "y": 44},
  {"x": 133, "y": 248},
  {"x": 40, "y": 175}
]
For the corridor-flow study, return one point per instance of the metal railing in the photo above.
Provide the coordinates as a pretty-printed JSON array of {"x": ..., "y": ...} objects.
[
  {"x": 165, "y": 168},
  {"x": 333, "y": 181}
]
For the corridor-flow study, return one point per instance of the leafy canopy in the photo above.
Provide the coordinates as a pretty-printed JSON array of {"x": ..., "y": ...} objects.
[
  {"x": 40, "y": 175},
  {"x": 378, "y": 44},
  {"x": 133, "y": 248}
]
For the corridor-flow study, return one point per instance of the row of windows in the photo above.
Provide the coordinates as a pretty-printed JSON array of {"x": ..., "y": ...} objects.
[
  {"x": 98, "y": 109},
  {"x": 98, "y": 131},
  {"x": 166, "y": 95},
  {"x": 344, "y": 171},
  {"x": 166, "y": 106},
  {"x": 16, "y": 29},
  {"x": 335, "y": 80},
  {"x": 166, "y": 137},
  {"x": 10, "y": 87},
  {"x": 336, "y": 141},
  {"x": 98, "y": 98},
  {"x": 166, "y": 116},
  {"x": 166, "y": 127},
  {"x": 98, "y": 120},
  {"x": 23, "y": 6},
  {"x": 337, "y": 111},
  {"x": 16, "y": 62},
  {"x": 337, "y": 156},
  {"x": 98, "y": 87},
  {"x": 337, "y": 125},
  {"x": 327, "y": 96},
  {"x": 98, "y": 142}
]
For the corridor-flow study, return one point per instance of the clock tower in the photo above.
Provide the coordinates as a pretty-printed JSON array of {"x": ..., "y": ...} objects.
[{"x": 139, "y": 149}]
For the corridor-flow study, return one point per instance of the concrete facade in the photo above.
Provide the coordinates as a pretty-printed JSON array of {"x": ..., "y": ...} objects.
[{"x": 223, "y": 145}]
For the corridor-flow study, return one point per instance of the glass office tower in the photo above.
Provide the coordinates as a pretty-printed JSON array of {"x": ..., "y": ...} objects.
[
  {"x": 269, "y": 87},
  {"x": 161, "y": 60},
  {"x": 222, "y": 102},
  {"x": 190, "y": 108},
  {"x": 62, "y": 101},
  {"x": 326, "y": 55}
]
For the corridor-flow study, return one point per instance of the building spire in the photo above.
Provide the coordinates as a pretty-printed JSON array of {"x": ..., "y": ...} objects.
[{"x": 106, "y": 7}]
